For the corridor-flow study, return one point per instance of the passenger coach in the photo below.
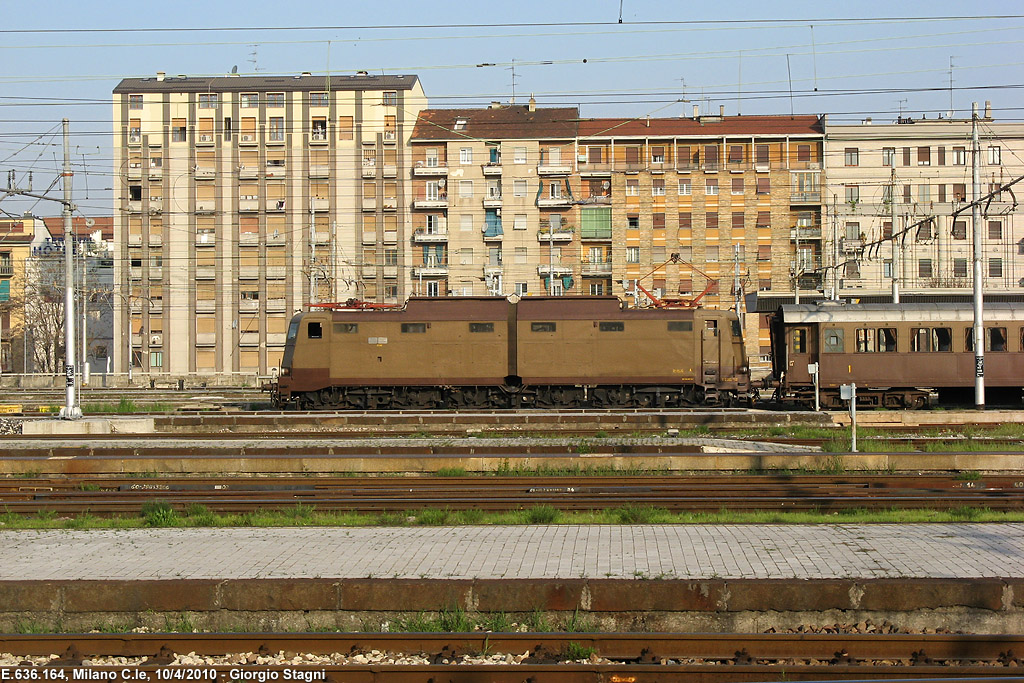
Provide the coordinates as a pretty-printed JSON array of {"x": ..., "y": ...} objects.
[{"x": 899, "y": 355}]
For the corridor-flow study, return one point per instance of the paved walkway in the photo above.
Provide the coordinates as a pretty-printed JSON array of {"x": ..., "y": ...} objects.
[{"x": 728, "y": 552}]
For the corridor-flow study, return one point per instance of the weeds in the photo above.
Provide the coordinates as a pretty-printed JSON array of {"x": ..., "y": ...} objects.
[
  {"x": 542, "y": 514},
  {"x": 452, "y": 472},
  {"x": 181, "y": 624},
  {"x": 433, "y": 517},
  {"x": 575, "y": 652},
  {"x": 639, "y": 514},
  {"x": 157, "y": 513}
]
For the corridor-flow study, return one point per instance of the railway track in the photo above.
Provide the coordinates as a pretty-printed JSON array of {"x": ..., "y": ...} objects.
[
  {"x": 239, "y": 494},
  {"x": 563, "y": 657}
]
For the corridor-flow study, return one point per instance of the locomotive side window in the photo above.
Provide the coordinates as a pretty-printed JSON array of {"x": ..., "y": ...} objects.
[
  {"x": 314, "y": 331},
  {"x": 736, "y": 332},
  {"x": 414, "y": 328},
  {"x": 835, "y": 341},
  {"x": 685, "y": 326},
  {"x": 346, "y": 328},
  {"x": 887, "y": 339},
  {"x": 293, "y": 329},
  {"x": 865, "y": 340},
  {"x": 542, "y": 327},
  {"x": 611, "y": 327},
  {"x": 481, "y": 327},
  {"x": 799, "y": 341}
]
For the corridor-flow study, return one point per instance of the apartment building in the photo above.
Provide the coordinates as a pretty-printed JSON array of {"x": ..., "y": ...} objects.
[
  {"x": 239, "y": 200},
  {"x": 515, "y": 199},
  {"x": 918, "y": 173},
  {"x": 16, "y": 235}
]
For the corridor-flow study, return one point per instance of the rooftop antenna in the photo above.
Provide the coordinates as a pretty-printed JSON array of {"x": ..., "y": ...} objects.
[
  {"x": 513, "y": 70},
  {"x": 814, "y": 58},
  {"x": 951, "y": 110},
  {"x": 683, "y": 99},
  {"x": 739, "y": 87},
  {"x": 901, "y": 103},
  {"x": 790, "y": 73},
  {"x": 620, "y": 11},
  {"x": 254, "y": 57}
]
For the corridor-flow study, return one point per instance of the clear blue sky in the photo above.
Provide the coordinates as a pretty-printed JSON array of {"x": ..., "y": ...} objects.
[{"x": 644, "y": 66}]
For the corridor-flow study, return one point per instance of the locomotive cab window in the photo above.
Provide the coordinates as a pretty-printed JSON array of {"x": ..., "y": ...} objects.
[
  {"x": 293, "y": 329},
  {"x": 314, "y": 331},
  {"x": 414, "y": 328},
  {"x": 685, "y": 326},
  {"x": 346, "y": 328},
  {"x": 835, "y": 341},
  {"x": 542, "y": 327},
  {"x": 611, "y": 327},
  {"x": 481, "y": 327}
]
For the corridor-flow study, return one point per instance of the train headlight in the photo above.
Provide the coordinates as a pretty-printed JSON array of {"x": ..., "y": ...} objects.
[
  {"x": 744, "y": 369},
  {"x": 285, "y": 372}
]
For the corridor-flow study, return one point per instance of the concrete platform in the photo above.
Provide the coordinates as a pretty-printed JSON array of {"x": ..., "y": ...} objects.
[
  {"x": 90, "y": 425},
  {"x": 674, "y": 578}
]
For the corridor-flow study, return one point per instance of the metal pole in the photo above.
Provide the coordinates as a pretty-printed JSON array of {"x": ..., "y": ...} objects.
[
  {"x": 736, "y": 282},
  {"x": 797, "y": 268},
  {"x": 85, "y": 326},
  {"x": 551, "y": 259},
  {"x": 312, "y": 252},
  {"x": 70, "y": 411},
  {"x": 853, "y": 417},
  {"x": 895, "y": 267},
  {"x": 979, "y": 332},
  {"x": 131, "y": 357},
  {"x": 835, "y": 247}
]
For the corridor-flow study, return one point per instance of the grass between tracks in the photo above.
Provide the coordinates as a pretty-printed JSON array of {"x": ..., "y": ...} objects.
[{"x": 162, "y": 515}]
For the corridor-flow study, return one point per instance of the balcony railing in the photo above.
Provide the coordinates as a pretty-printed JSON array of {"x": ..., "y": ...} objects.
[
  {"x": 430, "y": 235},
  {"x": 429, "y": 171},
  {"x": 596, "y": 168},
  {"x": 492, "y": 169},
  {"x": 563, "y": 234},
  {"x": 597, "y": 267},
  {"x": 554, "y": 168},
  {"x": 439, "y": 201},
  {"x": 6, "y": 270},
  {"x": 813, "y": 197},
  {"x": 805, "y": 233}
]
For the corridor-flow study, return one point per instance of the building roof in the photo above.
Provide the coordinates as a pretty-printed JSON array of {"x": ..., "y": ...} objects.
[
  {"x": 265, "y": 83},
  {"x": 105, "y": 224},
  {"x": 12, "y": 231},
  {"x": 500, "y": 123},
  {"x": 704, "y": 126}
]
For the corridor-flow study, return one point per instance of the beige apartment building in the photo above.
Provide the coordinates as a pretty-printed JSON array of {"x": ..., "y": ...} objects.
[
  {"x": 241, "y": 199},
  {"x": 920, "y": 170},
  {"x": 520, "y": 200}
]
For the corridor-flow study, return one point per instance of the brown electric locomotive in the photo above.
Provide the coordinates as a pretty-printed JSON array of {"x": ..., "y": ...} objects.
[
  {"x": 898, "y": 355},
  {"x": 482, "y": 352}
]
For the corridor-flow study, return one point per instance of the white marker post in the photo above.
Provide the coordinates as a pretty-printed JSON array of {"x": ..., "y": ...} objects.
[
  {"x": 812, "y": 368},
  {"x": 848, "y": 392}
]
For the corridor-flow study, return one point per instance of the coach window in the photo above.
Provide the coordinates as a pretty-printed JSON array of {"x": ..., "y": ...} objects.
[
  {"x": 414, "y": 328},
  {"x": 995, "y": 339},
  {"x": 942, "y": 339},
  {"x": 611, "y": 327},
  {"x": 314, "y": 331},
  {"x": 542, "y": 327},
  {"x": 481, "y": 327},
  {"x": 687, "y": 326},
  {"x": 346, "y": 328},
  {"x": 920, "y": 340},
  {"x": 927, "y": 339},
  {"x": 887, "y": 340},
  {"x": 834, "y": 341},
  {"x": 865, "y": 340},
  {"x": 1022, "y": 339},
  {"x": 799, "y": 340}
]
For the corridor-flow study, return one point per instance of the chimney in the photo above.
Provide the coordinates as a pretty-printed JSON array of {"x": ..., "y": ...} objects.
[
  {"x": 495, "y": 104},
  {"x": 307, "y": 73},
  {"x": 532, "y": 104},
  {"x": 696, "y": 111},
  {"x": 988, "y": 109},
  {"x": 160, "y": 75},
  {"x": 721, "y": 110},
  {"x": 867, "y": 121}
]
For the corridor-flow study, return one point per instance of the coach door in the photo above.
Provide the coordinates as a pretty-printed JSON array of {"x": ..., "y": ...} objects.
[
  {"x": 803, "y": 349},
  {"x": 711, "y": 352}
]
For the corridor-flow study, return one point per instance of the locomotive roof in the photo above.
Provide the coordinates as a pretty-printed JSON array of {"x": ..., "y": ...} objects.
[{"x": 837, "y": 312}]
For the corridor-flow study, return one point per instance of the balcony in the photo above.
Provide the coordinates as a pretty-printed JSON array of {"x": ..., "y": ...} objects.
[
  {"x": 595, "y": 169},
  {"x": 369, "y": 204},
  {"x": 851, "y": 246},
  {"x": 390, "y": 237},
  {"x": 135, "y": 273},
  {"x": 156, "y": 305},
  {"x": 319, "y": 171},
  {"x": 318, "y": 137},
  {"x": 369, "y": 270},
  {"x": 134, "y": 206},
  {"x": 205, "y": 173},
  {"x": 390, "y": 203},
  {"x": 319, "y": 204},
  {"x": 429, "y": 271},
  {"x": 805, "y": 197},
  {"x": 245, "y": 203},
  {"x": 492, "y": 200},
  {"x": 206, "y": 306},
  {"x": 389, "y": 171},
  {"x": 248, "y": 172},
  {"x": 275, "y": 205},
  {"x": 492, "y": 270},
  {"x": 275, "y": 239},
  {"x": 135, "y": 171},
  {"x": 156, "y": 240},
  {"x": 597, "y": 268},
  {"x": 276, "y": 339},
  {"x": 596, "y": 200},
  {"x": 206, "y": 272},
  {"x": 248, "y": 338},
  {"x": 321, "y": 237},
  {"x": 558, "y": 271},
  {"x": 6, "y": 270},
  {"x": 206, "y": 239},
  {"x": 549, "y": 168},
  {"x": 136, "y": 340},
  {"x": 134, "y": 137},
  {"x": 205, "y": 139},
  {"x": 135, "y": 240},
  {"x": 276, "y": 272},
  {"x": 391, "y": 272},
  {"x": 562, "y": 200},
  {"x": 248, "y": 139},
  {"x": 249, "y": 305},
  {"x": 439, "y": 202},
  {"x": 556, "y": 235},
  {"x": 156, "y": 272},
  {"x": 276, "y": 305},
  {"x": 205, "y": 338},
  {"x": 276, "y": 171},
  {"x": 369, "y": 168},
  {"x": 603, "y": 234},
  {"x": 249, "y": 238},
  {"x": 369, "y": 237},
  {"x": 427, "y": 235},
  {"x": 492, "y": 169},
  {"x": 248, "y": 273},
  {"x": 206, "y": 205},
  {"x": 156, "y": 172},
  {"x": 805, "y": 233},
  {"x": 429, "y": 171}
]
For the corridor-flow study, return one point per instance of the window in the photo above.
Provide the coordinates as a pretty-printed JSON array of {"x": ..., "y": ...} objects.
[
  {"x": 735, "y": 154},
  {"x": 519, "y": 221},
  {"x": 208, "y": 100},
  {"x": 481, "y": 327},
  {"x": 346, "y": 328},
  {"x": 942, "y": 193},
  {"x": 865, "y": 340},
  {"x": 611, "y": 326},
  {"x": 685, "y": 220},
  {"x": 633, "y": 222},
  {"x": 465, "y": 155},
  {"x": 711, "y": 221},
  {"x": 466, "y": 188},
  {"x": 632, "y": 254},
  {"x": 995, "y": 230},
  {"x": 924, "y": 193},
  {"x": 542, "y": 327},
  {"x": 737, "y": 220},
  {"x": 852, "y": 194},
  {"x": 519, "y": 256},
  {"x": 764, "y": 185},
  {"x": 924, "y": 156},
  {"x": 959, "y": 267},
  {"x": 995, "y": 339},
  {"x": 799, "y": 340},
  {"x": 519, "y": 188},
  {"x": 522, "y": 288},
  {"x": 632, "y": 187},
  {"x": 995, "y": 267},
  {"x": 959, "y": 230},
  {"x": 276, "y": 133},
  {"x": 555, "y": 189},
  {"x": 658, "y": 187},
  {"x": 761, "y": 155},
  {"x": 931, "y": 339},
  {"x": 657, "y": 155},
  {"x": 924, "y": 268},
  {"x": 314, "y": 330},
  {"x": 685, "y": 188},
  {"x": 390, "y": 98},
  {"x": 345, "y": 128},
  {"x": 460, "y": 124},
  {"x": 178, "y": 131},
  {"x": 906, "y": 156},
  {"x": 888, "y": 156},
  {"x": 994, "y": 156},
  {"x": 887, "y": 340},
  {"x": 803, "y": 152},
  {"x": 737, "y": 186},
  {"x": 275, "y": 99},
  {"x": 249, "y": 100},
  {"x": 414, "y": 328},
  {"x": 959, "y": 156},
  {"x": 712, "y": 254},
  {"x": 959, "y": 192},
  {"x": 711, "y": 186},
  {"x": 596, "y": 289},
  {"x": 135, "y": 101},
  {"x": 851, "y": 156},
  {"x": 852, "y": 270},
  {"x": 834, "y": 340},
  {"x": 318, "y": 99},
  {"x": 519, "y": 155},
  {"x": 319, "y": 127}
]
